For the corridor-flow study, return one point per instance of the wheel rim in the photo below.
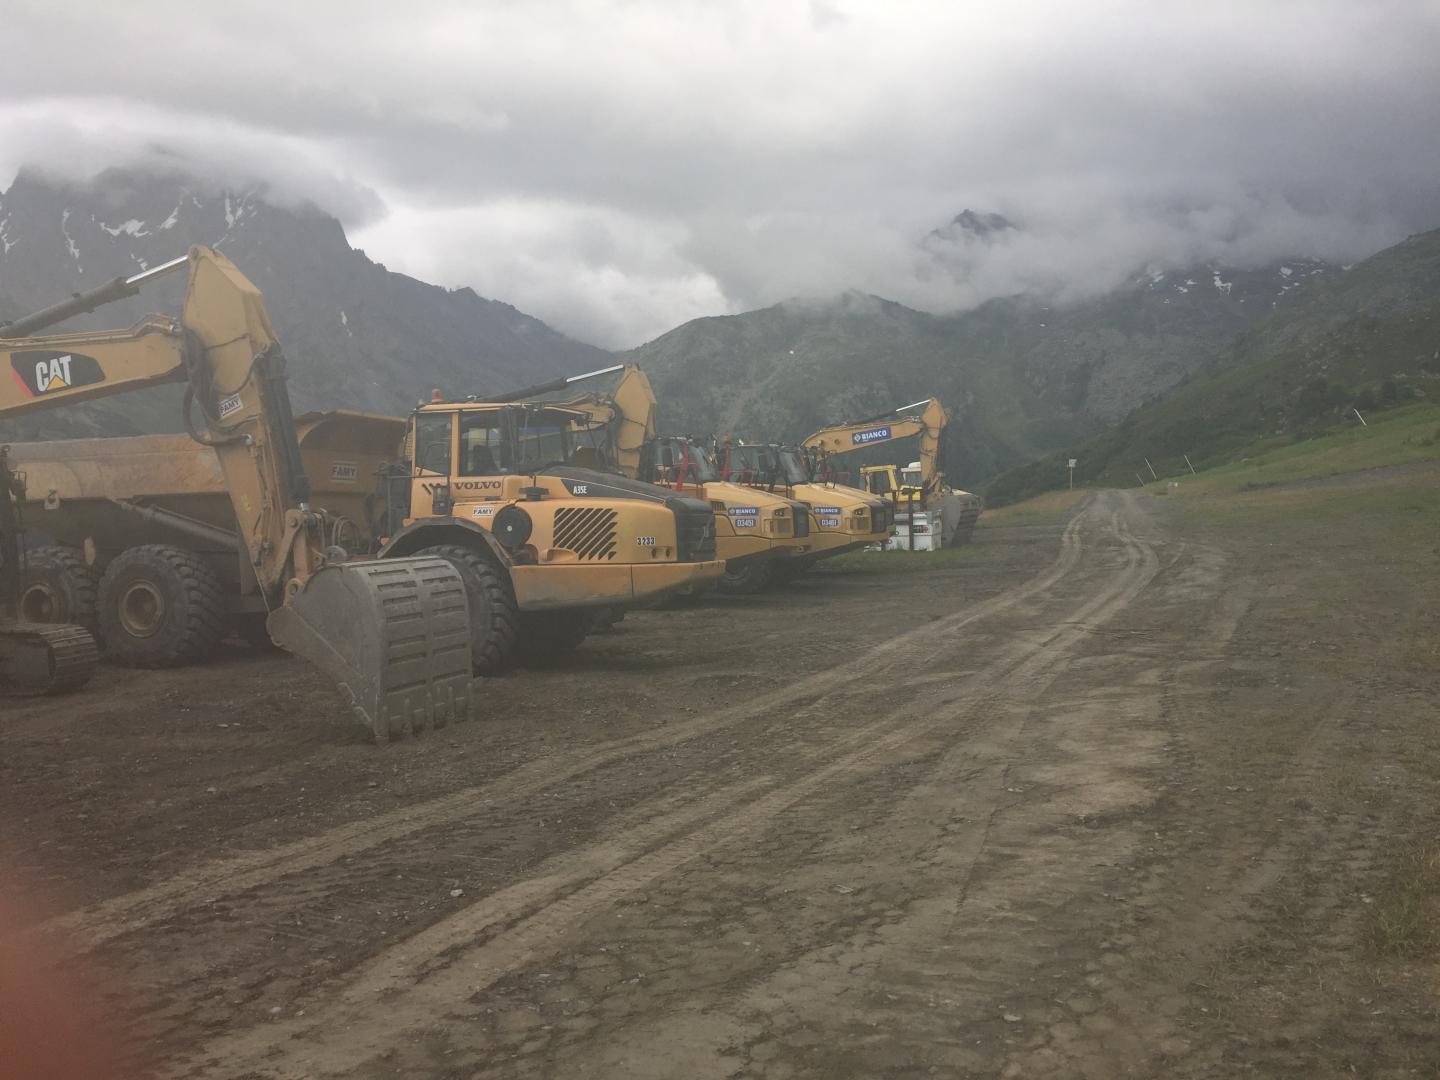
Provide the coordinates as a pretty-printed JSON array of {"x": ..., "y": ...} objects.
[
  {"x": 141, "y": 609},
  {"x": 42, "y": 604}
]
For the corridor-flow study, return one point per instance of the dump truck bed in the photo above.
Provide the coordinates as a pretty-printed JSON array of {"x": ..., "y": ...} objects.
[{"x": 82, "y": 492}]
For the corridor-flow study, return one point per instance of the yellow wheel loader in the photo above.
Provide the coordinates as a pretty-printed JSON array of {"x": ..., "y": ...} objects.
[
  {"x": 930, "y": 514},
  {"x": 758, "y": 534},
  {"x": 392, "y": 633}
]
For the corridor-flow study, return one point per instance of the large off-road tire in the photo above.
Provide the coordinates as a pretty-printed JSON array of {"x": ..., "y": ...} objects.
[
  {"x": 748, "y": 577},
  {"x": 548, "y": 637},
  {"x": 59, "y": 586},
  {"x": 494, "y": 620},
  {"x": 160, "y": 606}
]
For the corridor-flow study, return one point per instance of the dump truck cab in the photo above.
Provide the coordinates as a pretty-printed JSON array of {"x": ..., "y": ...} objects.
[
  {"x": 756, "y": 531},
  {"x": 842, "y": 518},
  {"x": 506, "y": 492},
  {"x": 891, "y": 481}
]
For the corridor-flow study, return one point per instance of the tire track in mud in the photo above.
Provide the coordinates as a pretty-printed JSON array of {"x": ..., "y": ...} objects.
[
  {"x": 844, "y": 982},
  {"x": 1205, "y": 908},
  {"x": 99, "y": 923},
  {"x": 415, "y": 983}
]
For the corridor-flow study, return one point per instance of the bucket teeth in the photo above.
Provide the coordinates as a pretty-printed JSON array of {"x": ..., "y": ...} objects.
[{"x": 394, "y": 634}]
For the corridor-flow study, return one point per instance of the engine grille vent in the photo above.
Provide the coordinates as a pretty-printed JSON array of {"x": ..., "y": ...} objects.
[
  {"x": 589, "y": 531},
  {"x": 695, "y": 533},
  {"x": 800, "y": 514}
]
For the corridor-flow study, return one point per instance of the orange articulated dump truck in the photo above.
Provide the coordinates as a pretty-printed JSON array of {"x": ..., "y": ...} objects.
[
  {"x": 508, "y": 490},
  {"x": 842, "y": 518},
  {"x": 760, "y": 535}
]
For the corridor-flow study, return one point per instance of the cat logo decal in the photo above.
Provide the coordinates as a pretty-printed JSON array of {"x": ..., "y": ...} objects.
[{"x": 44, "y": 371}]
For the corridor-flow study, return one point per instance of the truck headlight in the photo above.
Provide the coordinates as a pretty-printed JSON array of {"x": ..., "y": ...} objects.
[{"x": 512, "y": 527}]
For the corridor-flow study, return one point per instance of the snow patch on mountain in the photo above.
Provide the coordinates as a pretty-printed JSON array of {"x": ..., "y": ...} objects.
[
  {"x": 69, "y": 241},
  {"x": 132, "y": 227}
]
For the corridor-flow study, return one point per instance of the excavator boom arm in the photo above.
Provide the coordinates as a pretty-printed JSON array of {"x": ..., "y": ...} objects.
[
  {"x": 926, "y": 419},
  {"x": 227, "y": 351},
  {"x": 628, "y": 412},
  {"x": 393, "y": 633}
]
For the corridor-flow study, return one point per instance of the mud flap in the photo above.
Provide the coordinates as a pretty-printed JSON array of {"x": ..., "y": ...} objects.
[{"x": 394, "y": 635}]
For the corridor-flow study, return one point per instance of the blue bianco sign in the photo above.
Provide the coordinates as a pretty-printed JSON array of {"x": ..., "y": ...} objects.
[
  {"x": 743, "y": 511},
  {"x": 832, "y": 510},
  {"x": 860, "y": 438}
]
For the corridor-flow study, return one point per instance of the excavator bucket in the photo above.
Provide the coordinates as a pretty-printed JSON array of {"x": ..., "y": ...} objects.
[{"x": 394, "y": 634}]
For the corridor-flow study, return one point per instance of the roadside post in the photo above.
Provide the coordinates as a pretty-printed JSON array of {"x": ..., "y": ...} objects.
[{"x": 1072, "y": 473}]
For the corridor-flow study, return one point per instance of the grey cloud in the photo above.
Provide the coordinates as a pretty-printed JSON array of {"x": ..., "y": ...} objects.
[{"x": 617, "y": 168}]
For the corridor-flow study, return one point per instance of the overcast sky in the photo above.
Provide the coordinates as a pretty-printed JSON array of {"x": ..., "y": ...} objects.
[{"x": 616, "y": 168}]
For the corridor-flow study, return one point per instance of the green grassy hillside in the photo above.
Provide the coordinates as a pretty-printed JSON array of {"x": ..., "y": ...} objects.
[{"x": 1367, "y": 340}]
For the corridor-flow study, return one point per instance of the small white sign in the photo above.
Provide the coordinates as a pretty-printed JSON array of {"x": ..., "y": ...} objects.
[
  {"x": 1073, "y": 462},
  {"x": 230, "y": 405}
]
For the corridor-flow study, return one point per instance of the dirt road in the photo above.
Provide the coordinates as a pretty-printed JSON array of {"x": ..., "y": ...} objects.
[{"x": 1060, "y": 810}]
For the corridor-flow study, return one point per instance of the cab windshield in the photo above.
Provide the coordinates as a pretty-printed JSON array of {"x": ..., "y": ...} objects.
[
  {"x": 497, "y": 442},
  {"x": 675, "y": 457},
  {"x": 792, "y": 466},
  {"x": 750, "y": 464}
]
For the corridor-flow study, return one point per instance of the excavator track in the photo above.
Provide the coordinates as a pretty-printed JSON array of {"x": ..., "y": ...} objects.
[{"x": 41, "y": 658}]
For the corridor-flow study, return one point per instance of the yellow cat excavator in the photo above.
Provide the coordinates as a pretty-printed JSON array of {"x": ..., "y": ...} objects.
[
  {"x": 924, "y": 504},
  {"x": 392, "y": 633}
]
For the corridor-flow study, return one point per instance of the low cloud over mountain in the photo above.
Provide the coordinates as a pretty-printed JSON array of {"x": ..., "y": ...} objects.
[{"x": 618, "y": 168}]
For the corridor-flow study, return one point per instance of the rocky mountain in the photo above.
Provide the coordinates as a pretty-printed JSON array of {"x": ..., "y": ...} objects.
[
  {"x": 969, "y": 226},
  {"x": 1020, "y": 377},
  {"x": 1367, "y": 339},
  {"x": 357, "y": 335}
]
